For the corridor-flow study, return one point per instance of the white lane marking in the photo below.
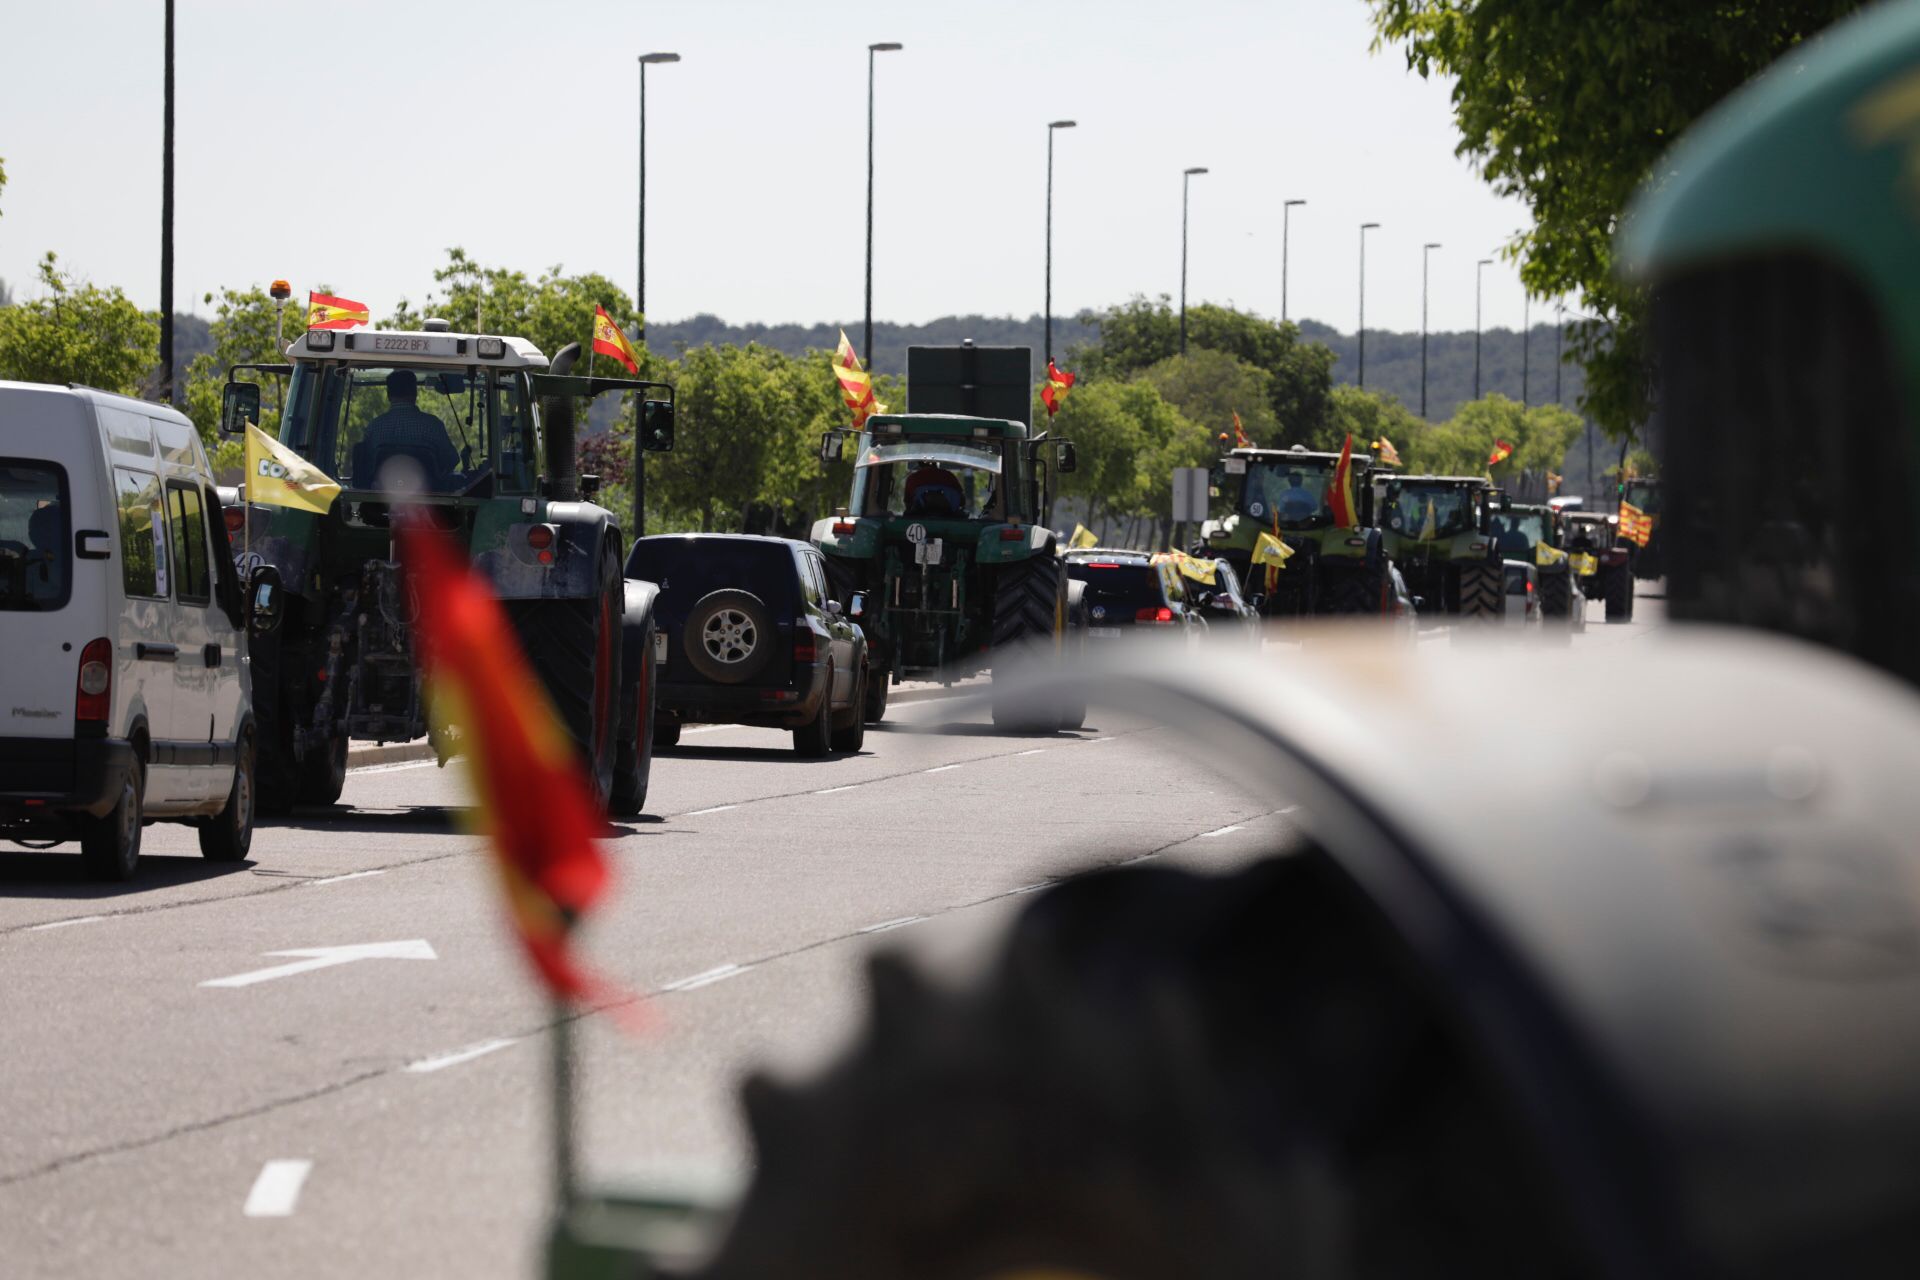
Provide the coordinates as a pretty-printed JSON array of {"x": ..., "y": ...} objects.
[
  {"x": 1220, "y": 831},
  {"x": 718, "y": 974},
  {"x": 312, "y": 958},
  {"x": 719, "y": 808},
  {"x": 1127, "y": 862},
  {"x": 459, "y": 1056},
  {"x": 1036, "y": 751},
  {"x": 1292, "y": 808},
  {"x": 899, "y": 923},
  {"x": 351, "y": 875},
  {"x": 832, "y": 791},
  {"x": 277, "y": 1189},
  {"x": 1093, "y": 741},
  {"x": 1027, "y": 888},
  {"x": 392, "y": 766},
  {"x": 61, "y": 924},
  {"x": 940, "y": 768}
]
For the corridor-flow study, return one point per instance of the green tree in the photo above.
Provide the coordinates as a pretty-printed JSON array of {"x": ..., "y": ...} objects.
[
  {"x": 1209, "y": 387},
  {"x": 78, "y": 333},
  {"x": 735, "y": 404},
  {"x": 549, "y": 311},
  {"x": 1539, "y": 435},
  {"x": 1568, "y": 106},
  {"x": 1367, "y": 416},
  {"x": 243, "y": 332}
]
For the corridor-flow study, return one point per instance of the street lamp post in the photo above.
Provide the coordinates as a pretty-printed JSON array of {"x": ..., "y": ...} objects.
[
  {"x": 166, "y": 221},
  {"x": 884, "y": 46},
  {"x": 1526, "y": 343},
  {"x": 1559, "y": 341},
  {"x": 1186, "y": 180},
  {"x": 1426, "y": 254},
  {"x": 1479, "y": 274},
  {"x": 1286, "y": 218},
  {"x": 1364, "y": 228},
  {"x": 1057, "y": 124},
  {"x": 640, "y": 284}
]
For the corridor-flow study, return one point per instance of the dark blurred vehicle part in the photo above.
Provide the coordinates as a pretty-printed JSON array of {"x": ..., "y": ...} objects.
[
  {"x": 1782, "y": 250},
  {"x": 1659, "y": 1018}
]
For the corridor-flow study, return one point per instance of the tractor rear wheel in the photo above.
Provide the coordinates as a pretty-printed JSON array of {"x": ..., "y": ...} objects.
[
  {"x": 276, "y": 774},
  {"x": 633, "y": 764},
  {"x": 323, "y": 774},
  {"x": 574, "y": 648},
  {"x": 1027, "y": 599},
  {"x": 1616, "y": 588},
  {"x": 1556, "y": 592},
  {"x": 1361, "y": 591},
  {"x": 1481, "y": 584}
]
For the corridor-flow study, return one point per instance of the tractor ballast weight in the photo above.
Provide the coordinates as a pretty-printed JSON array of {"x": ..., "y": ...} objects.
[
  {"x": 341, "y": 666},
  {"x": 1332, "y": 569},
  {"x": 1438, "y": 532}
]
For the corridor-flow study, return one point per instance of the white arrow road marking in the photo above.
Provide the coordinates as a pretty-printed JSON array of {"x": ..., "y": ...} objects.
[
  {"x": 327, "y": 957},
  {"x": 459, "y": 1056},
  {"x": 708, "y": 978},
  {"x": 277, "y": 1189}
]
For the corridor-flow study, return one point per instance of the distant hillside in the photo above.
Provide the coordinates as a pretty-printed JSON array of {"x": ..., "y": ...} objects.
[
  {"x": 890, "y": 341},
  {"x": 1393, "y": 365}
]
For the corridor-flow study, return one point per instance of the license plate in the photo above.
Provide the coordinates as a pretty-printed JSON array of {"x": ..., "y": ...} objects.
[
  {"x": 1103, "y": 632},
  {"x": 659, "y": 647}
]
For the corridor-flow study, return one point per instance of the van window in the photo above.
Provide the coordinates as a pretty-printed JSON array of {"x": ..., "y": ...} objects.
[
  {"x": 192, "y": 583},
  {"x": 143, "y": 556},
  {"x": 36, "y": 548}
]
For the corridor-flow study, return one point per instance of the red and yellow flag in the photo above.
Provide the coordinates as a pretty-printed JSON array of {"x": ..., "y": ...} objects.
[
  {"x": 1055, "y": 390},
  {"x": 1241, "y": 440},
  {"x": 1554, "y": 481},
  {"x": 1502, "y": 450},
  {"x": 1340, "y": 489},
  {"x": 324, "y": 311},
  {"x": 609, "y": 341},
  {"x": 534, "y": 801},
  {"x": 1636, "y": 526},
  {"x": 1388, "y": 454},
  {"x": 856, "y": 384}
]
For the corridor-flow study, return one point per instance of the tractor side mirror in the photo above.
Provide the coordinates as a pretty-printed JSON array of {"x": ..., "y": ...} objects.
[
  {"x": 656, "y": 426},
  {"x": 239, "y": 405},
  {"x": 832, "y": 444},
  {"x": 859, "y": 607},
  {"x": 1068, "y": 458},
  {"x": 266, "y": 602}
]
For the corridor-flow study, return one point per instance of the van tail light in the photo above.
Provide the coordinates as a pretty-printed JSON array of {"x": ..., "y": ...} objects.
[
  {"x": 235, "y": 518},
  {"x": 1161, "y": 614},
  {"x": 93, "y": 691},
  {"x": 805, "y": 647},
  {"x": 1529, "y": 586}
]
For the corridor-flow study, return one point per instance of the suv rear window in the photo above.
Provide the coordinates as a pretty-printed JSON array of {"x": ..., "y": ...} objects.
[
  {"x": 686, "y": 568},
  {"x": 1131, "y": 587},
  {"x": 1516, "y": 580},
  {"x": 36, "y": 543}
]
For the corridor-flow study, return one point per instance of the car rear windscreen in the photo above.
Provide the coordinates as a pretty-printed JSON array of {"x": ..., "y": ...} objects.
[
  {"x": 1516, "y": 580},
  {"x": 688, "y": 568},
  {"x": 36, "y": 543},
  {"x": 1121, "y": 588}
]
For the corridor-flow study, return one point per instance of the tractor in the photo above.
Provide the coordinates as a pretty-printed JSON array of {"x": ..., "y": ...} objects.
[
  {"x": 1602, "y": 563},
  {"x": 1438, "y": 530},
  {"x": 1649, "y": 561},
  {"x": 1537, "y": 534},
  {"x": 1332, "y": 569},
  {"x": 476, "y": 431}
]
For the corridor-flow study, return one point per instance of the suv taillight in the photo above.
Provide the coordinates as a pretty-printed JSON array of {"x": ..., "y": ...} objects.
[
  {"x": 804, "y": 647},
  {"x": 1161, "y": 614},
  {"x": 93, "y": 690},
  {"x": 235, "y": 518}
]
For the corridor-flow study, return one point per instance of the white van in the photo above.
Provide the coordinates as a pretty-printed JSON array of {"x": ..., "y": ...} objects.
[{"x": 124, "y": 693}]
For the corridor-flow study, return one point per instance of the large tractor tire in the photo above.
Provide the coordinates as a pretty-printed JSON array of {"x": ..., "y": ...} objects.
[
  {"x": 1161, "y": 1074},
  {"x": 1556, "y": 592},
  {"x": 1615, "y": 582},
  {"x": 276, "y": 774},
  {"x": 1027, "y": 598},
  {"x": 1482, "y": 584},
  {"x": 323, "y": 774},
  {"x": 574, "y": 648},
  {"x": 633, "y": 757},
  {"x": 1361, "y": 591}
]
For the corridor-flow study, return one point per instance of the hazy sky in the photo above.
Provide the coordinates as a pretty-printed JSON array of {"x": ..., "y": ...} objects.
[{"x": 353, "y": 141}]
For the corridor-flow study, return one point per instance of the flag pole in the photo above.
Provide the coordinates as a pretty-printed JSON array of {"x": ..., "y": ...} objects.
[{"x": 563, "y": 1103}]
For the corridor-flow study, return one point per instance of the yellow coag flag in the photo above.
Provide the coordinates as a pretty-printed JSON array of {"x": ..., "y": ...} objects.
[
  {"x": 1203, "y": 571},
  {"x": 1082, "y": 537},
  {"x": 1427, "y": 526},
  {"x": 279, "y": 477},
  {"x": 1270, "y": 550},
  {"x": 1544, "y": 555}
]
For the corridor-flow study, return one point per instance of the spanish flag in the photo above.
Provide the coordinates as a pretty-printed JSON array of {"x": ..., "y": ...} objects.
[
  {"x": 1240, "y": 438},
  {"x": 1340, "y": 489},
  {"x": 1388, "y": 454},
  {"x": 1502, "y": 450},
  {"x": 324, "y": 311},
  {"x": 609, "y": 341},
  {"x": 1055, "y": 390},
  {"x": 856, "y": 384},
  {"x": 534, "y": 802},
  {"x": 279, "y": 477}
]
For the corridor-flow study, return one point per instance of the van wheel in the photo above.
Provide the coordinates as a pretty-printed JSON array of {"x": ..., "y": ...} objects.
[
  {"x": 815, "y": 737},
  {"x": 110, "y": 845},
  {"x": 228, "y": 836},
  {"x": 323, "y": 774}
]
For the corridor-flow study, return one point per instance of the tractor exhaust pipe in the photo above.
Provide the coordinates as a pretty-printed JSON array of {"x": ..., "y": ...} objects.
[{"x": 563, "y": 460}]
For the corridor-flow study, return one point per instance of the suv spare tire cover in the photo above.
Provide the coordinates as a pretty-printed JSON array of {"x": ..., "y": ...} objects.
[{"x": 729, "y": 636}]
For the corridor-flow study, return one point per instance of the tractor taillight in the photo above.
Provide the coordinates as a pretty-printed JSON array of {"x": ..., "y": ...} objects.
[
  {"x": 1013, "y": 533},
  {"x": 235, "y": 518},
  {"x": 843, "y": 528},
  {"x": 93, "y": 691},
  {"x": 540, "y": 537},
  {"x": 805, "y": 648},
  {"x": 1161, "y": 614}
]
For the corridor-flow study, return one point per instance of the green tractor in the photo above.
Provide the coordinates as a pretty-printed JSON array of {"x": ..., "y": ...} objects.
[
  {"x": 1650, "y": 560},
  {"x": 1537, "y": 534},
  {"x": 1602, "y": 563},
  {"x": 1439, "y": 531},
  {"x": 1332, "y": 570},
  {"x": 942, "y": 553},
  {"x": 477, "y": 430}
]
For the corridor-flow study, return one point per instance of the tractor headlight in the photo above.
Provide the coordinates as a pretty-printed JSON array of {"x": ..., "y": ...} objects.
[
  {"x": 491, "y": 348},
  {"x": 319, "y": 339}
]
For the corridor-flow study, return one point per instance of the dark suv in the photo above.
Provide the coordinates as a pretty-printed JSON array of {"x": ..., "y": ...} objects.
[
  {"x": 1127, "y": 590},
  {"x": 747, "y": 635}
]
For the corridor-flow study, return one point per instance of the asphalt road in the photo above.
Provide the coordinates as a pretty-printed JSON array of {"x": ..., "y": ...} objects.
[{"x": 183, "y": 1098}]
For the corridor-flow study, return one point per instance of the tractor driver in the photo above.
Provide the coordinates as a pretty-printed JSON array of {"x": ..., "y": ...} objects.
[
  {"x": 1296, "y": 502},
  {"x": 406, "y": 430},
  {"x": 935, "y": 491}
]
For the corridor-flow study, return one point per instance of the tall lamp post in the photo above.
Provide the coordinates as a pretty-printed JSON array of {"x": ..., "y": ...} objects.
[
  {"x": 884, "y": 46},
  {"x": 166, "y": 220},
  {"x": 1186, "y": 180},
  {"x": 1364, "y": 228},
  {"x": 1286, "y": 218},
  {"x": 1426, "y": 255},
  {"x": 1479, "y": 274},
  {"x": 640, "y": 285},
  {"x": 1526, "y": 340},
  {"x": 1559, "y": 341},
  {"x": 1051, "y": 128}
]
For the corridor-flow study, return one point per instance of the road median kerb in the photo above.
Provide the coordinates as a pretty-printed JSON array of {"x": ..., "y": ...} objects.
[{"x": 361, "y": 757}]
